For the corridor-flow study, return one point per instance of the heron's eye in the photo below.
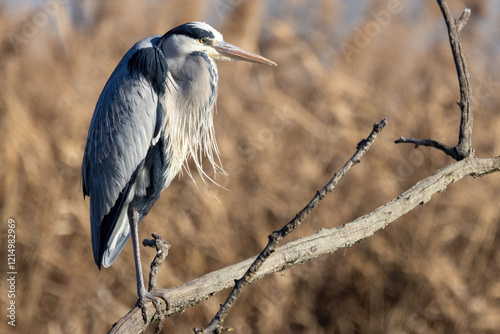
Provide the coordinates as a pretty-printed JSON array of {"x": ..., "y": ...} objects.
[{"x": 203, "y": 40}]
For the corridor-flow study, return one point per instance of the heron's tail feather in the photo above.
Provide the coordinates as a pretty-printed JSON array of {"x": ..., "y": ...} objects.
[
  {"x": 114, "y": 230},
  {"x": 117, "y": 240}
]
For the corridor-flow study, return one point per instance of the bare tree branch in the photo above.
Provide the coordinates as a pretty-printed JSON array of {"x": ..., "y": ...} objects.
[
  {"x": 131, "y": 324},
  {"x": 275, "y": 238},
  {"x": 463, "y": 148},
  {"x": 310, "y": 247}
]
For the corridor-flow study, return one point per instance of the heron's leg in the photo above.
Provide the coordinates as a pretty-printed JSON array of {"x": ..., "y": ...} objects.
[{"x": 133, "y": 218}]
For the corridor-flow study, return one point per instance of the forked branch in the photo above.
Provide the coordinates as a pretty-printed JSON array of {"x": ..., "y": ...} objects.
[{"x": 463, "y": 148}]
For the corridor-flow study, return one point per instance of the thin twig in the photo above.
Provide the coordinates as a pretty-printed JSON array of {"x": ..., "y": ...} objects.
[
  {"x": 463, "y": 148},
  {"x": 462, "y": 21},
  {"x": 215, "y": 325},
  {"x": 431, "y": 143},
  {"x": 162, "y": 248}
]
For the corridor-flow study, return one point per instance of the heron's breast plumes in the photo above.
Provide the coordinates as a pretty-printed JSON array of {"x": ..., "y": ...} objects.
[{"x": 189, "y": 107}]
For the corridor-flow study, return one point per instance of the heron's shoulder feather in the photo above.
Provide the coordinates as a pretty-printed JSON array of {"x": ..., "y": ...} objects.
[{"x": 150, "y": 63}]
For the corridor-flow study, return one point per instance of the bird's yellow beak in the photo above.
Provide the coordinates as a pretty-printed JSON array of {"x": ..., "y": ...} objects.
[{"x": 228, "y": 51}]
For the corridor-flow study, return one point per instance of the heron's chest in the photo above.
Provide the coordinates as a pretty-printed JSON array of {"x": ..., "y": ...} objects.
[{"x": 188, "y": 103}]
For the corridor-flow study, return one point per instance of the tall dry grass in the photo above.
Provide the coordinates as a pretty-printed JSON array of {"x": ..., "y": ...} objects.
[{"x": 282, "y": 133}]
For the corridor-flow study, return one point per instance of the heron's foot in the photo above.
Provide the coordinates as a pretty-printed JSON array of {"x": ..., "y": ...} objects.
[{"x": 156, "y": 297}]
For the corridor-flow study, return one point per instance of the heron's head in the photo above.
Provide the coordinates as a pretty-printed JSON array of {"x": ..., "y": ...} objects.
[{"x": 201, "y": 37}]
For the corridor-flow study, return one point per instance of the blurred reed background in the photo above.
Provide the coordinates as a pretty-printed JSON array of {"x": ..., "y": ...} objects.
[{"x": 282, "y": 133}]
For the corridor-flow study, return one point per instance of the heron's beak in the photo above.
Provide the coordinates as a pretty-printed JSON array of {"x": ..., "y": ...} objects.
[{"x": 231, "y": 52}]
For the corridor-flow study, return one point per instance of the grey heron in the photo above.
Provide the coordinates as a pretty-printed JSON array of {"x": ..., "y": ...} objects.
[{"x": 154, "y": 113}]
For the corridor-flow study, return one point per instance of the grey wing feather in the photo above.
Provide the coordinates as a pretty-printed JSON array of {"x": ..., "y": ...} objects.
[{"x": 120, "y": 134}]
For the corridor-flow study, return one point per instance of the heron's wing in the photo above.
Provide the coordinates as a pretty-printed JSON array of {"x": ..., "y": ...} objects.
[{"x": 123, "y": 127}]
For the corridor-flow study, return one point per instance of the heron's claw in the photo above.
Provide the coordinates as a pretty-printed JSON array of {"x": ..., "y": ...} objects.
[{"x": 155, "y": 296}]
